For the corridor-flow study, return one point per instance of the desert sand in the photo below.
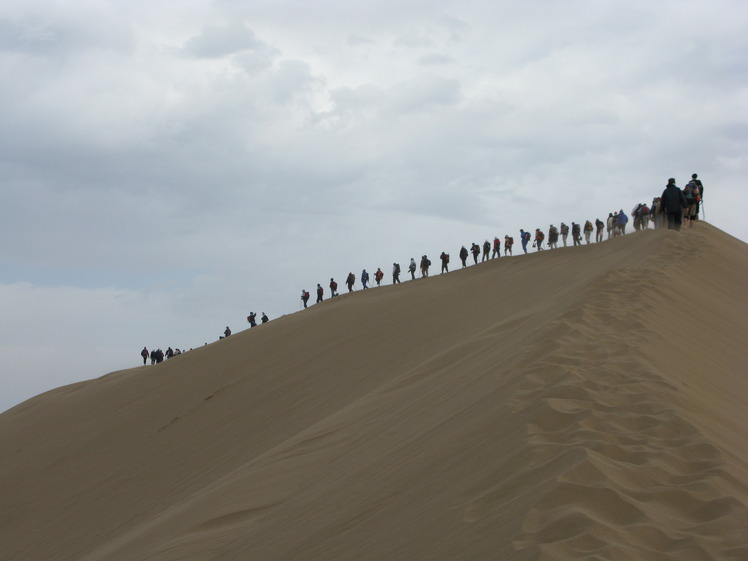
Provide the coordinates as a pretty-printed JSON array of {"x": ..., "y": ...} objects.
[{"x": 583, "y": 403}]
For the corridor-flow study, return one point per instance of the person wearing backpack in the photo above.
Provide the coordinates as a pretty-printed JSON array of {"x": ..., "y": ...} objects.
[
  {"x": 622, "y": 220},
  {"x": 539, "y": 237},
  {"x": 508, "y": 243},
  {"x": 524, "y": 237},
  {"x": 425, "y": 264},
  {"x": 445, "y": 262},
  {"x": 496, "y": 248},
  {"x": 553, "y": 237},
  {"x": 475, "y": 250},
  {"x": 486, "y": 250},
  {"x": 265, "y": 318},
  {"x": 320, "y": 293},
  {"x": 692, "y": 192},
  {"x": 588, "y": 232},
  {"x": 396, "y": 273},
  {"x": 575, "y": 234},
  {"x": 333, "y": 288},
  {"x": 673, "y": 203},
  {"x": 364, "y": 279},
  {"x": 350, "y": 281},
  {"x": 251, "y": 319},
  {"x": 144, "y": 353},
  {"x": 378, "y": 276},
  {"x": 564, "y": 232},
  {"x": 412, "y": 269},
  {"x": 464, "y": 256},
  {"x": 600, "y": 225},
  {"x": 304, "y": 297}
]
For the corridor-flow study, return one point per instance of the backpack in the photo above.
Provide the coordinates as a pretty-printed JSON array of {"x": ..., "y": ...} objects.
[
  {"x": 397, "y": 267},
  {"x": 306, "y": 295},
  {"x": 527, "y": 236},
  {"x": 334, "y": 285},
  {"x": 540, "y": 236},
  {"x": 510, "y": 241}
]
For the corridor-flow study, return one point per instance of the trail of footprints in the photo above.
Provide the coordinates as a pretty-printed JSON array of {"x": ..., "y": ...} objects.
[{"x": 637, "y": 481}]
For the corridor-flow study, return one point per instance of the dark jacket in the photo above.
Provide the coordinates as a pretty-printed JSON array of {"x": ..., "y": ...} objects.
[{"x": 673, "y": 199}]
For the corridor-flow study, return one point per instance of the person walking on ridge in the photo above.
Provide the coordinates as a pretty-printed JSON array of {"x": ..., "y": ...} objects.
[
  {"x": 350, "y": 281},
  {"x": 304, "y": 298},
  {"x": 364, "y": 279},
  {"x": 333, "y": 288},
  {"x": 445, "y": 262},
  {"x": 673, "y": 202},
  {"x": 396, "y": 273},
  {"x": 464, "y": 256},
  {"x": 320, "y": 293},
  {"x": 412, "y": 269},
  {"x": 144, "y": 353},
  {"x": 475, "y": 250},
  {"x": 508, "y": 243},
  {"x": 378, "y": 276},
  {"x": 524, "y": 237}
]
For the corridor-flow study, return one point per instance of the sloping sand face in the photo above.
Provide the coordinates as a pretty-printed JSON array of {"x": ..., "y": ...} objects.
[{"x": 583, "y": 404}]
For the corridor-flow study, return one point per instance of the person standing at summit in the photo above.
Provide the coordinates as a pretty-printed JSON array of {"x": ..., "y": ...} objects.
[{"x": 673, "y": 202}]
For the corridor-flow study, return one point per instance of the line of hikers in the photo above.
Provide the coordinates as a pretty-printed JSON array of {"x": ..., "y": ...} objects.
[
  {"x": 157, "y": 355},
  {"x": 671, "y": 209}
]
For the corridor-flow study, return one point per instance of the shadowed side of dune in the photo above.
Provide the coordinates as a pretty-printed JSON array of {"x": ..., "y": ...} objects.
[{"x": 551, "y": 406}]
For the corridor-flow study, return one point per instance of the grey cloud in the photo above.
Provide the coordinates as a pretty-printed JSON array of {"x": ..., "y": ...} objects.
[
  {"x": 218, "y": 41},
  {"x": 435, "y": 59}
]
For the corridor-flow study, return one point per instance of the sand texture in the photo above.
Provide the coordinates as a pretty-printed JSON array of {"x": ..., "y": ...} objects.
[{"x": 585, "y": 403}]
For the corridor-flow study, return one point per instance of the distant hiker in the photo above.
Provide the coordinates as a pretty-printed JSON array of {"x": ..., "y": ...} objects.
[
  {"x": 508, "y": 243},
  {"x": 539, "y": 237},
  {"x": 350, "y": 281},
  {"x": 252, "y": 319},
  {"x": 159, "y": 356},
  {"x": 464, "y": 256},
  {"x": 227, "y": 332},
  {"x": 621, "y": 221},
  {"x": 320, "y": 293},
  {"x": 333, "y": 288},
  {"x": 600, "y": 226},
  {"x": 524, "y": 237},
  {"x": 265, "y": 319},
  {"x": 425, "y": 264},
  {"x": 673, "y": 202},
  {"x": 378, "y": 276},
  {"x": 445, "y": 262},
  {"x": 304, "y": 297},
  {"x": 588, "y": 231},
  {"x": 170, "y": 351},
  {"x": 364, "y": 279},
  {"x": 644, "y": 214},
  {"x": 575, "y": 234},
  {"x": 475, "y": 250},
  {"x": 552, "y": 237},
  {"x": 564, "y": 232},
  {"x": 692, "y": 193},
  {"x": 144, "y": 353},
  {"x": 395, "y": 273},
  {"x": 496, "y": 248},
  {"x": 611, "y": 224},
  {"x": 486, "y": 250},
  {"x": 153, "y": 357},
  {"x": 412, "y": 269},
  {"x": 657, "y": 213}
]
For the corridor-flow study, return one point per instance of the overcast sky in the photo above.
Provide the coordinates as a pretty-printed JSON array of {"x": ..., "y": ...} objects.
[{"x": 166, "y": 167}]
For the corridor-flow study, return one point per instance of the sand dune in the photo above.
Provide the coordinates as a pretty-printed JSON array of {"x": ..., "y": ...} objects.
[{"x": 578, "y": 404}]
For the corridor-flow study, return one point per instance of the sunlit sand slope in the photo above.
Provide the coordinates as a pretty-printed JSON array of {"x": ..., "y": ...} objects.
[{"x": 577, "y": 404}]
